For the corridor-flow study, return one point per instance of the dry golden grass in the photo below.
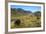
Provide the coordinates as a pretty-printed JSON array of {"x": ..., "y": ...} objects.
[{"x": 27, "y": 21}]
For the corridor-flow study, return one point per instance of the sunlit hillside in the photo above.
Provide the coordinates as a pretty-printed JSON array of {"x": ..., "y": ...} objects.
[{"x": 27, "y": 18}]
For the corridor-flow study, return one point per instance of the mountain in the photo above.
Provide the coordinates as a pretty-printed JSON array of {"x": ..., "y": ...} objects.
[{"x": 20, "y": 11}]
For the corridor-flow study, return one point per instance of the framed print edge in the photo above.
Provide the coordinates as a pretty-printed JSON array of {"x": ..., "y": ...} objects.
[{"x": 6, "y": 17}]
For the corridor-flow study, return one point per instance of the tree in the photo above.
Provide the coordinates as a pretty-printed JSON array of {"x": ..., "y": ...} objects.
[
  {"x": 37, "y": 13},
  {"x": 13, "y": 11}
]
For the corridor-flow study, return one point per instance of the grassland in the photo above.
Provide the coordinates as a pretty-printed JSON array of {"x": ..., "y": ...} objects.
[
  {"x": 27, "y": 18},
  {"x": 26, "y": 21}
]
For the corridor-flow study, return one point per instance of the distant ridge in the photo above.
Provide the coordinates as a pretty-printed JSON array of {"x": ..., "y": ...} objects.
[{"x": 20, "y": 11}]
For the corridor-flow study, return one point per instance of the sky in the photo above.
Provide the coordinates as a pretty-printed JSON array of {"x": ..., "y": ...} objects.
[{"x": 27, "y": 8}]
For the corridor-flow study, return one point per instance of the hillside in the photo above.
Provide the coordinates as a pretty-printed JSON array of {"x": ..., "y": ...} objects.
[
  {"x": 27, "y": 18},
  {"x": 20, "y": 11}
]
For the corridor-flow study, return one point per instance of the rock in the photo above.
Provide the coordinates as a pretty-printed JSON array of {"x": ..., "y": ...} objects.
[{"x": 17, "y": 22}]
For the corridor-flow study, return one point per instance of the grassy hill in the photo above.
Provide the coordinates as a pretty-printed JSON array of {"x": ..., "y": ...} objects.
[{"x": 27, "y": 18}]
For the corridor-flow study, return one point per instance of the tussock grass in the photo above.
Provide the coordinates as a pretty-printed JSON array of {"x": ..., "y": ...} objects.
[{"x": 26, "y": 21}]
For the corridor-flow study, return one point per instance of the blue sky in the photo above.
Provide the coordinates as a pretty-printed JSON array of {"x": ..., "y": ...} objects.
[{"x": 27, "y": 8}]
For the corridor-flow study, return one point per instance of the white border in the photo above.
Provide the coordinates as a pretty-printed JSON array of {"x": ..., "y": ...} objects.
[{"x": 23, "y": 29}]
